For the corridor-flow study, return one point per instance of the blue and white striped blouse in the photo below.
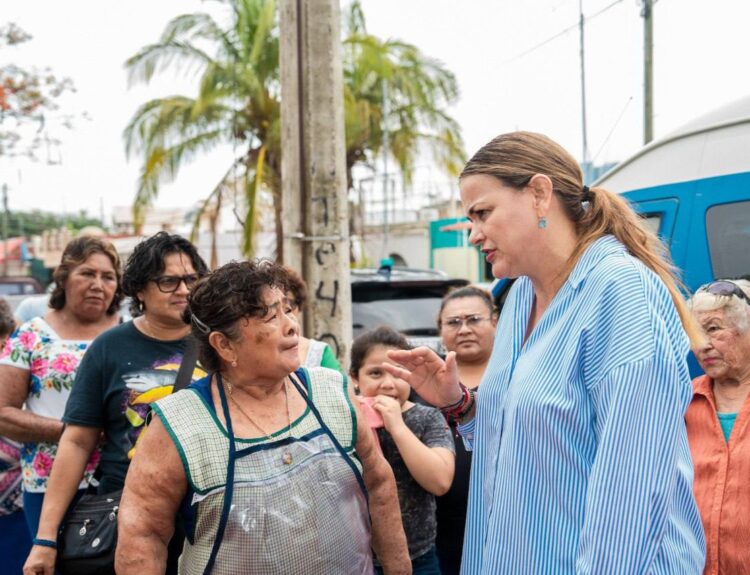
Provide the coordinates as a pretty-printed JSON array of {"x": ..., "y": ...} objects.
[{"x": 581, "y": 461}]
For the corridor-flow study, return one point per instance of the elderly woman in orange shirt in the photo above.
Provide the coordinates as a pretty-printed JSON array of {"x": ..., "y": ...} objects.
[{"x": 717, "y": 424}]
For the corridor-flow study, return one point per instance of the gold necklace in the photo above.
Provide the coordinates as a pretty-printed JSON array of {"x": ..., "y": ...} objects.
[{"x": 286, "y": 456}]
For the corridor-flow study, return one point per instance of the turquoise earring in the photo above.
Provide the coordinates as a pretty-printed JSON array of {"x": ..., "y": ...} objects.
[{"x": 542, "y": 223}]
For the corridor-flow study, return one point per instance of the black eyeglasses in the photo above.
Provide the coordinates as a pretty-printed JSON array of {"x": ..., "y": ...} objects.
[
  {"x": 170, "y": 284},
  {"x": 725, "y": 288}
]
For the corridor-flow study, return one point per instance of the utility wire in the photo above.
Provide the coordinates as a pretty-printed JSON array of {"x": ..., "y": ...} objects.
[
  {"x": 561, "y": 33},
  {"x": 612, "y": 131}
]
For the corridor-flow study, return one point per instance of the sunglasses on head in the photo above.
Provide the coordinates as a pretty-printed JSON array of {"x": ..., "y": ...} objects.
[{"x": 725, "y": 288}]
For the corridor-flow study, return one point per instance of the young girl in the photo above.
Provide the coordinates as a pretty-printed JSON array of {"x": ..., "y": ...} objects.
[{"x": 415, "y": 441}]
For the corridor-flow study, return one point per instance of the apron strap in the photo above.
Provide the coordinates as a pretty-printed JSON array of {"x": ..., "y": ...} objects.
[
  {"x": 229, "y": 488},
  {"x": 330, "y": 434}
]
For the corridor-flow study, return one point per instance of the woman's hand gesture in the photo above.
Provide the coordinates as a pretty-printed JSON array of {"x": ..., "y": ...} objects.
[{"x": 434, "y": 380}]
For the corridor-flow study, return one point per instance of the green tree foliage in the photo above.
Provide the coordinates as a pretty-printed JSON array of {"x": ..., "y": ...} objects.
[
  {"x": 238, "y": 104},
  {"x": 36, "y": 221},
  {"x": 27, "y": 97}
]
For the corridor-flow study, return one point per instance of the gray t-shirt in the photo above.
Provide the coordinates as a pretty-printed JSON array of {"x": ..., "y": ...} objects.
[{"x": 417, "y": 505}]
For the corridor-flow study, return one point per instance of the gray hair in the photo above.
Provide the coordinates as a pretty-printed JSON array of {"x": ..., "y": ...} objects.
[{"x": 735, "y": 309}]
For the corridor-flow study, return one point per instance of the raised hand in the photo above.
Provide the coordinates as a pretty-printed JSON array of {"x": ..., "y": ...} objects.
[{"x": 435, "y": 380}]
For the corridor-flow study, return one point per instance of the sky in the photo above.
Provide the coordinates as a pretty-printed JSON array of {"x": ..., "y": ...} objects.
[{"x": 700, "y": 55}]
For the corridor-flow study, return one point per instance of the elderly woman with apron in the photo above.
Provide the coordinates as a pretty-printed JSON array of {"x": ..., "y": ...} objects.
[{"x": 269, "y": 466}]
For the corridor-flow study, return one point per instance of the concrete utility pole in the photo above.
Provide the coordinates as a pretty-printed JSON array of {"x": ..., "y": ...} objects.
[
  {"x": 313, "y": 174},
  {"x": 584, "y": 131},
  {"x": 386, "y": 205},
  {"x": 648, "y": 70}
]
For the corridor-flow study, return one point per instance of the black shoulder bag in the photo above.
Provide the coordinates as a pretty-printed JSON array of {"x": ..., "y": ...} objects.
[{"x": 88, "y": 536}]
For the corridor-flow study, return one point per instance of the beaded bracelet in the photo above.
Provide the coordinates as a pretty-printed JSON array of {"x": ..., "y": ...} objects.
[
  {"x": 460, "y": 407},
  {"x": 469, "y": 406},
  {"x": 45, "y": 543}
]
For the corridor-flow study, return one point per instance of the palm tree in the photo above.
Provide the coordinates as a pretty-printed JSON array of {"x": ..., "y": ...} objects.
[
  {"x": 418, "y": 90},
  {"x": 238, "y": 104}
]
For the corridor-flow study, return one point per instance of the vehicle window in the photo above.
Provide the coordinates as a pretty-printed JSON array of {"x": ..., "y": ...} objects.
[
  {"x": 728, "y": 230},
  {"x": 653, "y": 221},
  {"x": 417, "y": 316},
  {"x": 10, "y": 289}
]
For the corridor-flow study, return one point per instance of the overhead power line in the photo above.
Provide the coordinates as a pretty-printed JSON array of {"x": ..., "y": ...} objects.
[
  {"x": 562, "y": 32},
  {"x": 612, "y": 131}
]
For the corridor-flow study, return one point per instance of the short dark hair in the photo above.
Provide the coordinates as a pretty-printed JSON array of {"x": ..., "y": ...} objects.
[
  {"x": 7, "y": 323},
  {"x": 298, "y": 288},
  {"x": 382, "y": 335},
  {"x": 464, "y": 292},
  {"x": 147, "y": 262},
  {"x": 75, "y": 253},
  {"x": 231, "y": 293}
]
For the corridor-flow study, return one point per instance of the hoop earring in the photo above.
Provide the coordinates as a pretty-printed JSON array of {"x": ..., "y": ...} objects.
[{"x": 542, "y": 223}]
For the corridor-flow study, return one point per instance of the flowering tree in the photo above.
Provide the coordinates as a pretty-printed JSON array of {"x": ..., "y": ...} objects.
[{"x": 27, "y": 97}]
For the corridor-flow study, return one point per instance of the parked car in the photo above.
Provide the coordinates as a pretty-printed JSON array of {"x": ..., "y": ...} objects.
[
  {"x": 19, "y": 285},
  {"x": 408, "y": 300}
]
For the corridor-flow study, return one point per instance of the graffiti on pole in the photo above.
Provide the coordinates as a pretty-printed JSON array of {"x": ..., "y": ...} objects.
[{"x": 333, "y": 298}]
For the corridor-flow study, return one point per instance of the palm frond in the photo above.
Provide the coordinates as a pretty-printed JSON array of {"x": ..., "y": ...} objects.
[
  {"x": 165, "y": 121},
  {"x": 159, "y": 57},
  {"x": 161, "y": 165},
  {"x": 252, "y": 189},
  {"x": 263, "y": 28},
  {"x": 354, "y": 19},
  {"x": 189, "y": 27}
]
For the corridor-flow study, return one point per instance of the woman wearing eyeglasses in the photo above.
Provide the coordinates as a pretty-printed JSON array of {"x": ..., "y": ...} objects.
[
  {"x": 718, "y": 424},
  {"x": 580, "y": 460},
  {"x": 122, "y": 373},
  {"x": 467, "y": 322}
]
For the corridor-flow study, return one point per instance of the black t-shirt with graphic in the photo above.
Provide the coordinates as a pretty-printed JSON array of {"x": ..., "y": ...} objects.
[{"x": 121, "y": 374}]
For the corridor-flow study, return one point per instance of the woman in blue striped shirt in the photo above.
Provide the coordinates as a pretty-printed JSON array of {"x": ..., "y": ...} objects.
[{"x": 581, "y": 462}]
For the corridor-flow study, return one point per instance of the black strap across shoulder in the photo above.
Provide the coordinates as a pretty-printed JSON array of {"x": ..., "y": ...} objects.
[{"x": 187, "y": 366}]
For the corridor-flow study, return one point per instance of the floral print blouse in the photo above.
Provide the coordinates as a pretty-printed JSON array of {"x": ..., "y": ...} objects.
[{"x": 51, "y": 362}]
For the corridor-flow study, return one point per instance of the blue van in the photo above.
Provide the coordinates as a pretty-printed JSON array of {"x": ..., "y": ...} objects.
[{"x": 693, "y": 188}]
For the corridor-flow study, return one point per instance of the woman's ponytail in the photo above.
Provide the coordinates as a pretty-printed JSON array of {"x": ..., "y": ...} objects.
[
  {"x": 609, "y": 213},
  {"x": 516, "y": 157}
]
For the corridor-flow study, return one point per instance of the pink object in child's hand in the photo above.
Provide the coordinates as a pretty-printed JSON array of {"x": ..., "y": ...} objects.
[{"x": 372, "y": 415}]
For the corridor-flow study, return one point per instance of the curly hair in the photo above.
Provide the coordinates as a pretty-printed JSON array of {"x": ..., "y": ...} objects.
[
  {"x": 75, "y": 253},
  {"x": 147, "y": 262},
  {"x": 231, "y": 293},
  {"x": 7, "y": 323},
  {"x": 383, "y": 335},
  {"x": 464, "y": 292},
  {"x": 297, "y": 288}
]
